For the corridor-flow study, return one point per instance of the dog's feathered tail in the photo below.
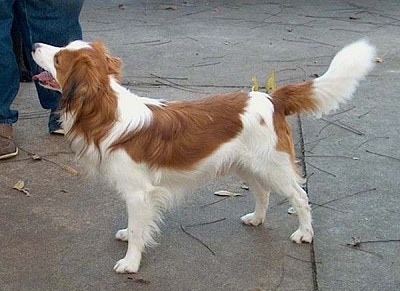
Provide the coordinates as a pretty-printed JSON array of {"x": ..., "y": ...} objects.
[{"x": 337, "y": 85}]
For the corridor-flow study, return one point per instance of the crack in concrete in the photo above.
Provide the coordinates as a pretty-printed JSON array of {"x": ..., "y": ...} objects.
[{"x": 305, "y": 187}]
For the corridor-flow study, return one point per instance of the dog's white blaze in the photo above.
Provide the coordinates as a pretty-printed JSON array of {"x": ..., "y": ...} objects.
[
  {"x": 44, "y": 57},
  {"x": 77, "y": 45}
]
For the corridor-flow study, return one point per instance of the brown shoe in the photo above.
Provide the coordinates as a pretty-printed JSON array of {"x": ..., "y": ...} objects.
[{"x": 8, "y": 148}]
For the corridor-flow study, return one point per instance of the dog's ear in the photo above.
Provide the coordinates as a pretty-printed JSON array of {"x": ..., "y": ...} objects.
[
  {"x": 114, "y": 65},
  {"x": 99, "y": 46},
  {"x": 83, "y": 81}
]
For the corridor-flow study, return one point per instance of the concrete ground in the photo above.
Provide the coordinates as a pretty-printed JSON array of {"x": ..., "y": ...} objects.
[{"x": 61, "y": 237}]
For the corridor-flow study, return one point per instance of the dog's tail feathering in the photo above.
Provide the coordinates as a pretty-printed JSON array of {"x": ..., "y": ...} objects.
[{"x": 337, "y": 85}]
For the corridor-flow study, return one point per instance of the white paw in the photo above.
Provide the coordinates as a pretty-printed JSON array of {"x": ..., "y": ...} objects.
[
  {"x": 300, "y": 236},
  {"x": 252, "y": 219},
  {"x": 127, "y": 265},
  {"x": 122, "y": 234}
]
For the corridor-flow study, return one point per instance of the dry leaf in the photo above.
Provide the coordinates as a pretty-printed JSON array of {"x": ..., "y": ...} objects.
[
  {"x": 291, "y": 210},
  {"x": 271, "y": 82},
  {"x": 19, "y": 185},
  {"x": 226, "y": 193},
  {"x": 71, "y": 170},
  {"x": 36, "y": 157},
  {"x": 378, "y": 60},
  {"x": 255, "y": 84},
  {"x": 173, "y": 7},
  {"x": 136, "y": 278},
  {"x": 356, "y": 242},
  {"x": 26, "y": 192}
]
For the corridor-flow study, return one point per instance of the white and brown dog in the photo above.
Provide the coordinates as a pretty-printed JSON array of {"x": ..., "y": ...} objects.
[{"x": 155, "y": 151}]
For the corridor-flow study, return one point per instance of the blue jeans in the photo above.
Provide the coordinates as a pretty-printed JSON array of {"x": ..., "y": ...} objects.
[{"x": 54, "y": 22}]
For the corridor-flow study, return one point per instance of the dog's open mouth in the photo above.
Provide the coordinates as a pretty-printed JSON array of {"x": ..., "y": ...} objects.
[{"x": 47, "y": 80}]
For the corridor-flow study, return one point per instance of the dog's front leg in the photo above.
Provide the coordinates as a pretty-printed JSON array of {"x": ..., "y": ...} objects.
[{"x": 141, "y": 224}]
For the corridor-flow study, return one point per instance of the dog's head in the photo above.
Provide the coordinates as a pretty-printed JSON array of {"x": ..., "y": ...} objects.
[
  {"x": 83, "y": 73},
  {"x": 78, "y": 69}
]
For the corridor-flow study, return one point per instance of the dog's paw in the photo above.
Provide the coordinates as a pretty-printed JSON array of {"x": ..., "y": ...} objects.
[
  {"x": 122, "y": 234},
  {"x": 252, "y": 219},
  {"x": 127, "y": 265},
  {"x": 300, "y": 236}
]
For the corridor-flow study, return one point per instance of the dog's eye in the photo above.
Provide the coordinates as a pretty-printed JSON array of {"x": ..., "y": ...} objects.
[{"x": 56, "y": 60}]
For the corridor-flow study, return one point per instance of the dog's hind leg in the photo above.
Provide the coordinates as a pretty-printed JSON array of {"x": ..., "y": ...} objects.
[
  {"x": 142, "y": 223},
  {"x": 298, "y": 199},
  {"x": 261, "y": 200},
  {"x": 283, "y": 179}
]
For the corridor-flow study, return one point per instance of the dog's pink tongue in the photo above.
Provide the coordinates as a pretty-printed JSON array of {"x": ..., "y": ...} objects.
[
  {"x": 47, "y": 79},
  {"x": 43, "y": 77}
]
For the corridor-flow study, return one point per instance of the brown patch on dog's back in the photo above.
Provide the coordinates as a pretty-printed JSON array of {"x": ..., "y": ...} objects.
[{"x": 184, "y": 133}]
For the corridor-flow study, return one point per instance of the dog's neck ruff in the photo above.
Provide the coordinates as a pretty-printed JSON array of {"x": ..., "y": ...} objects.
[{"x": 131, "y": 114}]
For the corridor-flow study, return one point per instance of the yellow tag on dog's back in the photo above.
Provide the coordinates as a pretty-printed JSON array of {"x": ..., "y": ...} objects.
[{"x": 271, "y": 83}]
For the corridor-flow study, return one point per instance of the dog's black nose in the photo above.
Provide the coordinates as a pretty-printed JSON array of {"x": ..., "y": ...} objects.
[{"x": 35, "y": 46}]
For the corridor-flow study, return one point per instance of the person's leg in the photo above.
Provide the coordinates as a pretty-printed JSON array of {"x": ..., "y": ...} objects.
[
  {"x": 21, "y": 56},
  {"x": 55, "y": 22},
  {"x": 9, "y": 84}
]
